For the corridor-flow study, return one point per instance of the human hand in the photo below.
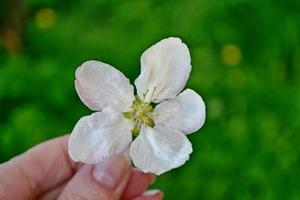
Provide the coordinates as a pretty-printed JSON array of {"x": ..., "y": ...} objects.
[{"x": 47, "y": 172}]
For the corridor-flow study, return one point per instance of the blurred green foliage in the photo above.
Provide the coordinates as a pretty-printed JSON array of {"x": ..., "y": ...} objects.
[{"x": 245, "y": 57}]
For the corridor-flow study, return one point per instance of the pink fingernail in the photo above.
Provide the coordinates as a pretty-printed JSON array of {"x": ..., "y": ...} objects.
[
  {"x": 153, "y": 192},
  {"x": 109, "y": 173}
]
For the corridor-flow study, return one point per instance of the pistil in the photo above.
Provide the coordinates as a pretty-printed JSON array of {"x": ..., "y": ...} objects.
[{"x": 141, "y": 113}]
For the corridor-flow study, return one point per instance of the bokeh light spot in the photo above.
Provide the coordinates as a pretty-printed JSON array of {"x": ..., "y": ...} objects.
[
  {"x": 11, "y": 40},
  {"x": 236, "y": 78},
  {"x": 45, "y": 18},
  {"x": 231, "y": 54},
  {"x": 269, "y": 128},
  {"x": 215, "y": 108},
  {"x": 238, "y": 128}
]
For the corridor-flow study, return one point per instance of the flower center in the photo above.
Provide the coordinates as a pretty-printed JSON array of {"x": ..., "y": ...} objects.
[{"x": 141, "y": 112}]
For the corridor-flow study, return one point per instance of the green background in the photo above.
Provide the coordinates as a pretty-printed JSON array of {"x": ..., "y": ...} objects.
[{"x": 245, "y": 58}]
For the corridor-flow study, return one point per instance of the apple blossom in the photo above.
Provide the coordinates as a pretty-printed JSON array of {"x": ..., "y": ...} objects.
[{"x": 159, "y": 115}]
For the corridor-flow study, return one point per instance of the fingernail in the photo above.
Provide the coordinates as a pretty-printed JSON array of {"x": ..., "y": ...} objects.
[
  {"x": 109, "y": 173},
  {"x": 153, "y": 193}
]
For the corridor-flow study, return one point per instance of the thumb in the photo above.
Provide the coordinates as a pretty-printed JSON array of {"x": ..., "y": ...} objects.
[{"x": 106, "y": 180}]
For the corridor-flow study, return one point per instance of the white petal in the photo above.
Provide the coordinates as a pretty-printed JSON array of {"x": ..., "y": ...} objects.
[
  {"x": 160, "y": 149},
  {"x": 99, "y": 136},
  {"x": 185, "y": 112},
  {"x": 167, "y": 114},
  {"x": 165, "y": 67},
  {"x": 192, "y": 111},
  {"x": 99, "y": 85}
]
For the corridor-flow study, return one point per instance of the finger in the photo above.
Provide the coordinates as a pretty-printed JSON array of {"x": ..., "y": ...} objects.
[
  {"x": 52, "y": 194},
  {"x": 151, "y": 195},
  {"x": 137, "y": 184},
  {"x": 38, "y": 170},
  {"x": 106, "y": 180}
]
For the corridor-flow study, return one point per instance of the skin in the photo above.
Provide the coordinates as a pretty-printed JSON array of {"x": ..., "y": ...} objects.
[{"x": 47, "y": 172}]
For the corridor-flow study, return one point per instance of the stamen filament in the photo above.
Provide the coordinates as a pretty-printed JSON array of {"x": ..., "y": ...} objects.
[{"x": 151, "y": 97}]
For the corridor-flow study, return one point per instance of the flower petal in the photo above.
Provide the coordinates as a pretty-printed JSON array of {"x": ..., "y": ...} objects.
[
  {"x": 185, "y": 112},
  {"x": 160, "y": 149},
  {"x": 167, "y": 113},
  {"x": 99, "y": 85},
  {"x": 192, "y": 111},
  {"x": 99, "y": 136},
  {"x": 165, "y": 68}
]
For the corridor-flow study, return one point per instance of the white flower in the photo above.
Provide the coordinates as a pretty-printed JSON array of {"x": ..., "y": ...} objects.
[{"x": 161, "y": 144}]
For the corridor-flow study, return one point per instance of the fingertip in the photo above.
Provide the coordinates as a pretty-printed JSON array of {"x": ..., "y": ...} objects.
[
  {"x": 105, "y": 180},
  {"x": 137, "y": 184},
  {"x": 151, "y": 177}
]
